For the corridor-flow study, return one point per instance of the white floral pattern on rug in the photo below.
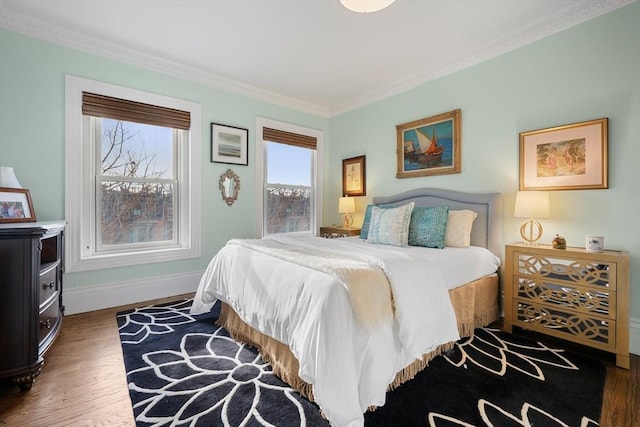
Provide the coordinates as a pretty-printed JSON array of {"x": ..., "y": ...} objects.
[
  {"x": 496, "y": 355},
  {"x": 209, "y": 381},
  {"x": 154, "y": 320},
  {"x": 493, "y": 415}
]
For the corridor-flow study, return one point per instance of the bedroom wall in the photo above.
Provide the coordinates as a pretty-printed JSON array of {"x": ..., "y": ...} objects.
[
  {"x": 32, "y": 76},
  {"x": 588, "y": 72}
]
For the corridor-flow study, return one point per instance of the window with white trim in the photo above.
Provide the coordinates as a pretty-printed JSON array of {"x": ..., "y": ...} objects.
[
  {"x": 132, "y": 176},
  {"x": 288, "y": 159}
]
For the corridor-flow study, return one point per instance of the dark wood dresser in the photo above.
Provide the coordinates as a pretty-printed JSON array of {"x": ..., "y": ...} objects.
[{"x": 31, "y": 309}]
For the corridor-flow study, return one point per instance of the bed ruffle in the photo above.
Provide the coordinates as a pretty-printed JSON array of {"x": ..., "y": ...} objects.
[{"x": 475, "y": 305}]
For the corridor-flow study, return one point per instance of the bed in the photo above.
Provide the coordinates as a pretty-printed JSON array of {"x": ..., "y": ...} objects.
[{"x": 345, "y": 320}]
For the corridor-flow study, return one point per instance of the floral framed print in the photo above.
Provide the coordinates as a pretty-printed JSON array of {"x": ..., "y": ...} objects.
[
  {"x": 16, "y": 205},
  {"x": 569, "y": 157},
  {"x": 429, "y": 146},
  {"x": 354, "y": 176},
  {"x": 229, "y": 144}
]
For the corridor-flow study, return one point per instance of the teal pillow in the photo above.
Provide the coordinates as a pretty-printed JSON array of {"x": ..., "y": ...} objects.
[
  {"x": 428, "y": 226},
  {"x": 390, "y": 226}
]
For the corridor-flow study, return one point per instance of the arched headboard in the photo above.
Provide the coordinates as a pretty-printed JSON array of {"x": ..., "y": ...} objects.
[{"x": 487, "y": 228}]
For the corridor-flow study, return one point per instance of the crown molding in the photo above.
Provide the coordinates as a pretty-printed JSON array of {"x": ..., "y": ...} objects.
[
  {"x": 50, "y": 33},
  {"x": 565, "y": 19}
]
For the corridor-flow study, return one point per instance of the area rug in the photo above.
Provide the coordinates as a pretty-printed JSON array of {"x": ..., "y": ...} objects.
[{"x": 184, "y": 370}]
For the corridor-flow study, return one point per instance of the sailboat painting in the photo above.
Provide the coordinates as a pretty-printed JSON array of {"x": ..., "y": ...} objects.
[{"x": 429, "y": 146}]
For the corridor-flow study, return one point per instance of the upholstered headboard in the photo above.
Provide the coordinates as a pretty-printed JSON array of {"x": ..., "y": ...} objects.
[{"x": 487, "y": 228}]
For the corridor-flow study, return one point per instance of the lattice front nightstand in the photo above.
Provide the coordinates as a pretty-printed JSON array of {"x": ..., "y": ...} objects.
[
  {"x": 335, "y": 232},
  {"x": 571, "y": 294}
]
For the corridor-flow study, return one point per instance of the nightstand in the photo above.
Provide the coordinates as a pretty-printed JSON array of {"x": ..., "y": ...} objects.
[
  {"x": 570, "y": 294},
  {"x": 334, "y": 232}
]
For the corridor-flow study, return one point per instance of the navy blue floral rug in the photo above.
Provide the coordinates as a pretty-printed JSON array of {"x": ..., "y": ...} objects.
[{"x": 183, "y": 370}]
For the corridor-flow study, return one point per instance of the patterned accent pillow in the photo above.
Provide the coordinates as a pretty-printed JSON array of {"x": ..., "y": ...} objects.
[
  {"x": 364, "y": 230},
  {"x": 390, "y": 226},
  {"x": 428, "y": 226},
  {"x": 459, "y": 224}
]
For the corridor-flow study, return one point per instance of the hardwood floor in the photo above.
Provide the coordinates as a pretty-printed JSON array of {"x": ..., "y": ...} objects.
[{"x": 83, "y": 381}]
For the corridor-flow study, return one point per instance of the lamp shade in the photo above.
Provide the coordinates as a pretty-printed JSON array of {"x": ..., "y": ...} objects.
[
  {"x": 532, "y": 204},
  {"x": 346, "y": 205},
  {"x": 366, "y": 6},
  {"x": 8, "y": 178}
]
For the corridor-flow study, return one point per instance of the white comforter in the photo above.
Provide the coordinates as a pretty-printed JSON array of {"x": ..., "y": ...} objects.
[{"x": 350, "y": 366}]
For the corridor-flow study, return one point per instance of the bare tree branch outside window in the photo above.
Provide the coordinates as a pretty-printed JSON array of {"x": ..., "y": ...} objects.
[{"x": 137, "y": 198}]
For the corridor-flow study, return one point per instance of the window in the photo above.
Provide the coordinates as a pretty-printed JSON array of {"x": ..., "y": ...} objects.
[
  {"x": 289, "y": 158},
  {"x": 132, "y": 176}
]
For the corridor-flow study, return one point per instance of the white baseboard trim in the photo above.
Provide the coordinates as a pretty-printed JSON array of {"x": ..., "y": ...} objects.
[
  {"x": 634, "y": 336},
  {"x": 107, "y": 295}
]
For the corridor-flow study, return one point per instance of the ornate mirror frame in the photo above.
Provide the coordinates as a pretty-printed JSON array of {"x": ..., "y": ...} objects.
[{"x": 229, "y": 185}]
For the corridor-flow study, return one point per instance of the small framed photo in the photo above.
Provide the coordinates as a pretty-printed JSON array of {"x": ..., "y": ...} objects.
[
  {"x": 429, "y": 146},
  {"x": 229, "y": 144},
  {"x": 569, "y": 157},
  {"x": 354, "y": 176},
  {"x": 594, "y": 243},
  {"x": 16, "y": 205}
]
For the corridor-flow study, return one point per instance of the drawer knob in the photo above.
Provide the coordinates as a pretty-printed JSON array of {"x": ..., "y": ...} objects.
[
  {"x": 46, "y": 324},
  {"x": 49, "y": 285}
]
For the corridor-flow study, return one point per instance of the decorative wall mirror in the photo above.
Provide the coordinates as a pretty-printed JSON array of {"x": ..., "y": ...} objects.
[{"x": 229, "y": 185}]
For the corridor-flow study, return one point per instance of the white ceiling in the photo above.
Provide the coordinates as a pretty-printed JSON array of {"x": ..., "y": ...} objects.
[{"x": 312, "y": 55}]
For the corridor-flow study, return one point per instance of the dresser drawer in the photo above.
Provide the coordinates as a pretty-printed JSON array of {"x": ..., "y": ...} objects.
[
  {"x": 48, "y": 283},
  {"x": 584, "y": 329},
  {"x": 565, "y": 296},
  {"x": 573, "y": 271},
  {"x": 48, "y": 322}
]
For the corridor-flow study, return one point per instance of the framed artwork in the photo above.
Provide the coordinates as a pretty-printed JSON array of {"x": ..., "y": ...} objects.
[
  {"x": 354, "y": 176},
  {"x": 569, "y": 157},
  {"x": 429, "y": 146},
  {"x": 16, "y": 205},
  {"x": 229, "y": 144}
]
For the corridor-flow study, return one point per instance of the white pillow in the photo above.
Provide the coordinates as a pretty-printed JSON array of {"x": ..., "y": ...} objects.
[
  {"x": 390, "y": 226},
  {"x": 459, "y": 223}
]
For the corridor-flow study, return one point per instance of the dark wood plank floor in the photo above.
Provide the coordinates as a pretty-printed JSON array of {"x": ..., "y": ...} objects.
[{"x": 83, "y": 381}]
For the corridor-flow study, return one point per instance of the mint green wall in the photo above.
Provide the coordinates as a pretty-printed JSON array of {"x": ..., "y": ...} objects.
[
  {"x": 587, "y": 72},
  {"x": 32, "y": 140}
]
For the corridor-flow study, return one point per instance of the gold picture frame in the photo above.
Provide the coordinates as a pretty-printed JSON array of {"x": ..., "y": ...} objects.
[
  {"x": 568, "y": 157},
  {"x": 429, "y": 146},
  {"x": 354, "y": 176},
  {"x": 16, "y": 205}
]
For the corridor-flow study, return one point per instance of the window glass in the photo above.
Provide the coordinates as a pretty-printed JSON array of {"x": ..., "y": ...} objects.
[
  {"x": 137, "y": 189},
  {"x": 288, "y": 193}
]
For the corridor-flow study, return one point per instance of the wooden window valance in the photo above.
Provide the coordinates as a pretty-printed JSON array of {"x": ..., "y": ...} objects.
[
  {"x": 132, "y": 111},
  {"x": 289, "y": 138}
]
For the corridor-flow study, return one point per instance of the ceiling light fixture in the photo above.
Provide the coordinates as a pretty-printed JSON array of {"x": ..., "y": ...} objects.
[{"x": 366, "y": 6}]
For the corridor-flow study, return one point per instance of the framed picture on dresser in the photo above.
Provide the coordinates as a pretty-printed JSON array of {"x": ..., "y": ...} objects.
[{"x": 16, "y": 205}]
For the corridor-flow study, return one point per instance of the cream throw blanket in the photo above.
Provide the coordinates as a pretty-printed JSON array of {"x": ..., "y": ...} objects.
[{"x": 366, "y": 284}]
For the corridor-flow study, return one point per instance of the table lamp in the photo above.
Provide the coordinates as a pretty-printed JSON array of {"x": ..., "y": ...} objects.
[
  {"x": 346, "y": 206},
  {"x": 531, "y": 204},
  {"x": 8, "y": 178}
]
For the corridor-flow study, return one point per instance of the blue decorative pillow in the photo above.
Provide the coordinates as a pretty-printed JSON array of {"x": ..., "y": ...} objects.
[
  {"x": 364, "y": 230},
  {"x": 428, "y": 226},
  {"x": 390, "y": 226}
]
